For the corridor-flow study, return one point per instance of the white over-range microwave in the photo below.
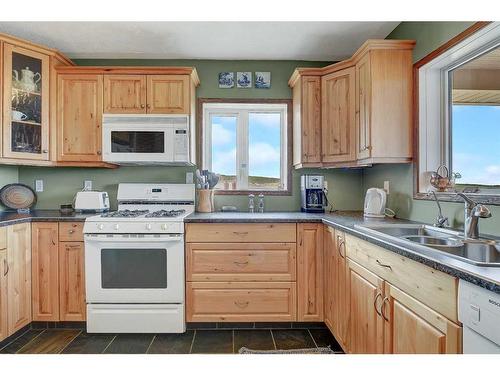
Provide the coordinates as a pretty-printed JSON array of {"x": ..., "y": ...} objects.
[{"x": 147, "y": 139}]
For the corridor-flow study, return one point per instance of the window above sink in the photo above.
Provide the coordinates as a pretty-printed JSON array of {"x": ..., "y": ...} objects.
[{"x": 458, "y": 109}]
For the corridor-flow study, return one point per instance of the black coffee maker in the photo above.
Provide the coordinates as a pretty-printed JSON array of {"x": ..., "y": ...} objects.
[{"x": 312, "y": 194}]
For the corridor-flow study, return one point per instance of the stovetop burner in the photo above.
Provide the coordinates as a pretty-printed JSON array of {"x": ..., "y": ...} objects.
[
  {"x": 125, "y": 213},
  {"x": 165, "y": 213}
]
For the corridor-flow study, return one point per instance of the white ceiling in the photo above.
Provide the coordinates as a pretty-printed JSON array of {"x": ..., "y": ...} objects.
[{"x": 317, "y": 41}]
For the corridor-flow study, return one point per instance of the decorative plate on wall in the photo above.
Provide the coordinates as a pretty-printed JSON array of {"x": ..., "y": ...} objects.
[{"x": 17, "y": 196}]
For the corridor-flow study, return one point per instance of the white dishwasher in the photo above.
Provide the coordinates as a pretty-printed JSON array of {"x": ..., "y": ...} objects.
[{"x": 479, "y": 312}]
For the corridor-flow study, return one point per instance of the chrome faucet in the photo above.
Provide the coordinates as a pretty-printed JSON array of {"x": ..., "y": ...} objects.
[
  {"x": 472, "y": 212},
  {"x": 441, "y": 220}
]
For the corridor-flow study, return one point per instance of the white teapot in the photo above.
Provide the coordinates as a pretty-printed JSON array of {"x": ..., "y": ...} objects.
[{"x": 28, "y": 81}]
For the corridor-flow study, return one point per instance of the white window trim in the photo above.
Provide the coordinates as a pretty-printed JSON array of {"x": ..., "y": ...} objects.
[
  {"x": 434, "y": 100},
  {"x": 241, "y": 110}
]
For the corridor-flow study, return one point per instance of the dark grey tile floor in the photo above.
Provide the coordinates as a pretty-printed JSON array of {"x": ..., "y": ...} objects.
[{"x": 203, "y": 341}]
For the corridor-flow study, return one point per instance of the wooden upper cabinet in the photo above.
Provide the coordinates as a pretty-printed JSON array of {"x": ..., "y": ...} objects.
[
  {"x": 72, "y": 281},
  {"x": 307, "y": 122},
  {"x": 25, "y": 103},
  {"x": 384, "y": 85},
  {"x": 79, "y": 117},
  {"x": 414, "y": 328},
  {"x": 363, "y": 112},
  {"x": 168, "y": 94},
  {"x": 310, "y": 272},
  {"x": 366, "y": 330},
  {"x": 18, "y": 276},
  {"x": 338, "y": 99},
  {"x": 124, "y": 93},
  {"x": 45, "y": 271}
]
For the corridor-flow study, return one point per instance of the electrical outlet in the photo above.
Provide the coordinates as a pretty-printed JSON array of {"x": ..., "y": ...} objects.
[
  {"x": 189, "y": 177},
  {"x": 325, "y": 184},
  {"x": 87, "y": 184},
  {"x": 38, "y": 186},
  {"x": 386, "y": 187}
]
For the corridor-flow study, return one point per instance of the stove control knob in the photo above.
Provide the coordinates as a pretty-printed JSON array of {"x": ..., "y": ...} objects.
[
  {"x": 148, "y": 226},
  {"x": 100, "y": 226},
  {"x": 116, "y": 226},
  {"x": 164, "y": 226}
]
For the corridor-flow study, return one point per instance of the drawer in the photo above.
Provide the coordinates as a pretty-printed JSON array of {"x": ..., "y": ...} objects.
[
  {"x": 241, "y": 261},
  {"x": 72, "y": 231},
  {"x": 435, "y": 289},
  {"x": 240, "y": 302},
  {"x": 241, "y": 232},
  {"x": 3, "y": 237}
]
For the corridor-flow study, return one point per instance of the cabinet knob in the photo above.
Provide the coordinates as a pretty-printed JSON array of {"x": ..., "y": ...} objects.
[
  {"x": 45, "y": 151},
  {"x": 143, "y": 106},
  {"x": 99, "y": 152},
  {"x": 149, "y": 106}
]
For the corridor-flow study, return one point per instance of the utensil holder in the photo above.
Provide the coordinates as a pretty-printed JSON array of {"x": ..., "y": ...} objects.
[{"x": 206, "y": 200}]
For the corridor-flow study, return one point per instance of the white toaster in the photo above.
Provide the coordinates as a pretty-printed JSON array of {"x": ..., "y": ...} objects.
[
  {"x": 375, "y": 201},
  {"x": 91, "y": 201}
]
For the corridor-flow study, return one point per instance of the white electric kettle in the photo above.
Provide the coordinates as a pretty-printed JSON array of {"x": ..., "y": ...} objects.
[{"x": 375, "y": 201}]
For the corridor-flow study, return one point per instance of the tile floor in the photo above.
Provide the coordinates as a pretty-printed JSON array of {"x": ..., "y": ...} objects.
[{"x": 206, "y": 341}]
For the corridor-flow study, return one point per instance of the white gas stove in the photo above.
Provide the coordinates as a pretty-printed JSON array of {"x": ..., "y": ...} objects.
[{"x": 134, "y": 260}]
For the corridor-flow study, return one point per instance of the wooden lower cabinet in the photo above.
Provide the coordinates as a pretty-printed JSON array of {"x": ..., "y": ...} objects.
[
  {"x": 58, "y": 292},
  {"x": 45, "y": 272},
  {"x": 18, "y": 276},
  {"x": 413, "y": 328},
  {"x": 72, "y": 281},
  {"x": 366, "y": 328},
  {"x": 4, "y": 327},
  {"x": 240, "y": 301},
  {"x": 310, "y": 272}
]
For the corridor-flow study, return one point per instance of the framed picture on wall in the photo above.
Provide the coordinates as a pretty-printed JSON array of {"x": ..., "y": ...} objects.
[
  {"x": 262, "y": 80},
  {"x": 244, "y": 80},
  {"x": 226, "y": 80}
]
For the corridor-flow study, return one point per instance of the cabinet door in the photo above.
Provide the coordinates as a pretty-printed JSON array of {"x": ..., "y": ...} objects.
[
  {"x": 329, "y": 287},
  {"x": 168, "y": 94},
  {"x": 311, "y": 119},
  {"x": 363, "y": 107},
  {"x": 338, "y": 118},
  {"x": 25, "y": 104},
  {"x": 366, "y": 331},
  {"x": 4, "y": 328},
  {"x": 79, "y": 117},
  {"x": 45, "y": 271},
  {"x": 18, "y": 276},
  {"x": 413, "y": 328},
  {"x": 341, "y": 308},
  {"x": 310, "y": 272},
  {"x": 124, "y": 93},
  {"x": 71, "y": 281}
]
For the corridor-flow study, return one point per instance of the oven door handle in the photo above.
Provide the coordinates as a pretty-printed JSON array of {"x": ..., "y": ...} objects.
[{"x": 134, "y": 239}]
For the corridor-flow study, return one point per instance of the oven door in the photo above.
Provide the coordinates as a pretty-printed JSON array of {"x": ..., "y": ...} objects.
[
  {"x": 125, "y": 269},
  {"x": 135, "y": 144}
]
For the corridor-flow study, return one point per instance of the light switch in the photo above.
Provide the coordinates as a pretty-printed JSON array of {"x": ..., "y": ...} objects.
[
  {"x": 386, "y": 187},
  {"x": 39, "y": 186}
]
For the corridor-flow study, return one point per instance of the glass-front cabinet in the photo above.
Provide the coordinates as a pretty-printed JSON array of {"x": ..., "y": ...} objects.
[{"x": 25, "y": 103}]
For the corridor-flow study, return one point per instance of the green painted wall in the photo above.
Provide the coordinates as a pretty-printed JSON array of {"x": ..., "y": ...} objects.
[
  {"x": 62, "y": 183},
  {"x": 429, "y": 36}
]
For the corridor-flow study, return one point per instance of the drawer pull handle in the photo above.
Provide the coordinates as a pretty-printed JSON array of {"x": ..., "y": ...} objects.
[
  {"x": 240, "y": 233},
  {"x": 241, "y": 264},
  {"x": 379, "y": 312},
  {"x": 382, "y": 308},
  {"x": 5, "y": 267},
  {"x": 71, "y": 231},
  {"x": 241, "y": 304},
  {"x": 383, "y": 265}
]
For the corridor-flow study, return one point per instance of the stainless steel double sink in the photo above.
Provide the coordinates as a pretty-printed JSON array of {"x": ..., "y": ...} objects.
[{"x": 480, "y": 252}]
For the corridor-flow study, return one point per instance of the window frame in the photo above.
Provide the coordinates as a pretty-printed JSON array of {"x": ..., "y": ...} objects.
[
  {"x": 206, "y": 107},
  {"x": 432, "y": 107}
]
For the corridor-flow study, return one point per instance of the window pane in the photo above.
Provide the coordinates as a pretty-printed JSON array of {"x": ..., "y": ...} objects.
[
  {"x": 224, "y": 150},
  {"x": 264, "y": 149},
  {"x": 476, "y": 144}
]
